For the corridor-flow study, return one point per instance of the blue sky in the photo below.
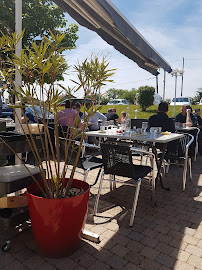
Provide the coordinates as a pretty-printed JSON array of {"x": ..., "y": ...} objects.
[{"x": 173, "y": 28}]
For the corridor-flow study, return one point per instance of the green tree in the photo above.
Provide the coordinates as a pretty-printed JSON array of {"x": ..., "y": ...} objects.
[
  {"x": 197, "y": 97},
  {"x": 129, "y": 95},
  {"x": 146, "y": 96},
  {"x": 114, "y": 93},
  {"x": 38, "y": 18}
]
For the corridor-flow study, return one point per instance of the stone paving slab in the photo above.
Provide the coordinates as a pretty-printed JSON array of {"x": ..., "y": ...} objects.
[{"x": 168, "y": 236}]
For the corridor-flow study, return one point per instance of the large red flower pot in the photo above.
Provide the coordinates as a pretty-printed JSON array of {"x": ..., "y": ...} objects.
[{"x": 57, "y": 223}]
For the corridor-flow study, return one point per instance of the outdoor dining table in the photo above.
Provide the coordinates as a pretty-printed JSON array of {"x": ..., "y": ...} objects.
[
  {"x": 185, "y": 129},
  {"x": 161, "y": 138}
]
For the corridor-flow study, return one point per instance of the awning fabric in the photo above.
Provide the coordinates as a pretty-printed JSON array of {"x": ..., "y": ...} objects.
[{"x": 106, "y": 20}]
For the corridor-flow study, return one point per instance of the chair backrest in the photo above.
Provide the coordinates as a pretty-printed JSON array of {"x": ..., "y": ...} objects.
[
  {"x": 137, "y": 122},
  {"x": 117, "y": 159},
  {"x": 182, "y": 145}
]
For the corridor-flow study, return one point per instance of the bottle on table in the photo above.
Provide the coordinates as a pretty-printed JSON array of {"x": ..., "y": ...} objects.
[{"x": 128, "y": 120}]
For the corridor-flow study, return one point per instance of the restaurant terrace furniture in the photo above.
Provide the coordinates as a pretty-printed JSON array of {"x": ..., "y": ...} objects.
[
  {"x": 137, "y": 122},
  {"x": 197, "y": 143},
  {"x": 12, "y": 179},
  {"x": 117, "y": 161},
  {"x": 86, "y": 162},
  {"x": 193, "y": 131},
  {"x": 181, "y": 153},
  {"x": 163, "y": 139}
]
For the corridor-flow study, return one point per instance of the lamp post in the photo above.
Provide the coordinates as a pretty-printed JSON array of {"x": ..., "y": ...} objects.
[{"x": 176, "y": 72}]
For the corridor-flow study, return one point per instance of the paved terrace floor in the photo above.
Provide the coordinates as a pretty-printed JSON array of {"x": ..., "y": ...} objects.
[{"x": 168, "y": 236}]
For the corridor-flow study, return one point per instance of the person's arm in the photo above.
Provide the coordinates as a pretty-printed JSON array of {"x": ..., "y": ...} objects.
[
  {"x": 194, "y": 119},
  {"x": 189, "y": 122},
  {"x": 103, "y": 118},
  {"x": 117, "y": 118}
]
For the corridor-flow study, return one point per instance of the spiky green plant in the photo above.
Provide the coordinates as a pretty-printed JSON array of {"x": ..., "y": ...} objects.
[{"x": 38, "y": 64}]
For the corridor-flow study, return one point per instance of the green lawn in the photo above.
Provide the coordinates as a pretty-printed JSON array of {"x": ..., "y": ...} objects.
[{"x": 145, "y": 115}]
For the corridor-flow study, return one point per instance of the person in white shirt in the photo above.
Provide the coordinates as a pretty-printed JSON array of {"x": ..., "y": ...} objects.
[{"x": 93, "y": 119}]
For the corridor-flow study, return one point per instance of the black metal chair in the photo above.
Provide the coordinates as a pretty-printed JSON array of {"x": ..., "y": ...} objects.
[
  {"x": 86, "y": 162},
  {"x": 137, "y": 122},
  {"x": 117, "y": 161},
  {"x": 180, "y": 152}
]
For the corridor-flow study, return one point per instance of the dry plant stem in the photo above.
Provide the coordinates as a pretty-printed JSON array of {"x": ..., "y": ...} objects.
[
  {"x": 75, "y": 163},
  {"x": 49, "y": 168},
  {"x": 66, "y": 154},
  {"x": 58, "y": 158}
]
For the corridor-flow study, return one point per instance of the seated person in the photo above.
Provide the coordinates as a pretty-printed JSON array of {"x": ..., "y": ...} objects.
[
  {"x": 197, "y": 113},
  {"x": 93, "y": 119},
  {"x": 69, "y": 117},
  {"x": 76, "y": 106},
  {"x": 186, "y": 116},
  {"x": 123, "y": 116},
  {"x": 111, "y": 115},
  {"x": 161, "y": 119}
]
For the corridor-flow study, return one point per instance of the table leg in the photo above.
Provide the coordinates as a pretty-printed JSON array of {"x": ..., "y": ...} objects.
[{"x": 159, "y": 163}]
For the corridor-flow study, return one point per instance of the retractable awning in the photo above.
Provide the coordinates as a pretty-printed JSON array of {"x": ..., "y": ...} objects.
[{"x": 106, "y": 20}]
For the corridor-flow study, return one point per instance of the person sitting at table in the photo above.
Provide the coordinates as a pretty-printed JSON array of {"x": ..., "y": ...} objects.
[
  {"x": 68, "y": 118},
  {"x": 161, "y": 119},
  {"x": 186, "y": 116},
  {"x": 123, "y": 116},
  {"x": 76, "y": 106},
  {"x": 111, "y": 115},
  {"x": 197, "y": 113},
  {"x": 93, "y": 119}
]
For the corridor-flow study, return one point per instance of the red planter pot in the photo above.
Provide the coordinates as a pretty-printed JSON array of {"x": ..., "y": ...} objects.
[{"x": 57, "y": 223}]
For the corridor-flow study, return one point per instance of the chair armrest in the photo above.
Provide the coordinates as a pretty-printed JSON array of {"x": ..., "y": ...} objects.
[
  {"x": 90, "y": 145},
  {"x": 140, "y": 150},
  {"x": 190, "y": 142}
]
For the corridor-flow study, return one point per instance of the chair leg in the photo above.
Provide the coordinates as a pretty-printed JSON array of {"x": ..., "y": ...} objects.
[
  {"x": 168, "y": 165},
  {"x": 164, "y": 168},
  {"x": 137, "y": 191},
  {"x": 184, "y": 174},
  {"x": 141, "y": 159},
  {"x": 114, "y": 183},
  {"x": 98, "y": 175},
  {"x": 146, "y": 160},
  {"x": 196, "y": 151},
  {"x": 153, "y": 184},
  {"x": 86, "y": 174},
  {"x": 190, "y": 171},
  {"x": 98, "y": 195}
]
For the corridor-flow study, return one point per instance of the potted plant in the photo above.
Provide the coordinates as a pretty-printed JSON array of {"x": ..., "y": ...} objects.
[{"x": 57, "y": 204}]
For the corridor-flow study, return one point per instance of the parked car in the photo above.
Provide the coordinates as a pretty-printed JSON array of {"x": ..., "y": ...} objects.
[
  {"x": 8, "y": 112},
  {"x": 181, "y": 101},
  {"x": 118, "y": 102},
  {"x": 200, "y": 102},
  {"x": 74, "y": 100}
]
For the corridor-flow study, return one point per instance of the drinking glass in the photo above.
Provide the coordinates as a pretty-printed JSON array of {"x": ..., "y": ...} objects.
[
  {"x": 123, "y": 124},
  {"x": 144, "y": 127},
  {"x": 102, "y": 128}
]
